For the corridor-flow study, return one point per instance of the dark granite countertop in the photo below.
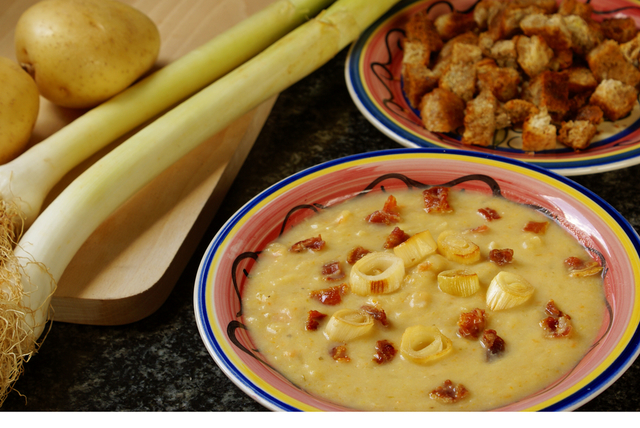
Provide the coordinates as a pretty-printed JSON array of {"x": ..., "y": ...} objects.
[{"x": 160, "y": 362}]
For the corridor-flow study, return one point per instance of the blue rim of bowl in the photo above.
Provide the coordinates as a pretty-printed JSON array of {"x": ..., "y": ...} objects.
[
  {"x": 575, "y": 400},
  {"x": 390, "y": 129}
]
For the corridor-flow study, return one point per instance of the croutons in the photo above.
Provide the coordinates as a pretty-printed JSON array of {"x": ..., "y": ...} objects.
[
  {"x": 590, "y": 112},
  {"x": 480, "y": 120},
  {"x": 551, "y": 28},
  {"x": 533, "y": 54},
  {"x": 421, "y": 28},
  {"x": 519, "y": 110},
  {"x": 619, "y": 29},
  {"x": 580, "y": 80},
  {"x": 631, "y": 50},
  {"x": 418, "y": 81},
  {"x": 504, "y": 82},
  {"x": 550, "y": 89},
  {"x": 538, "y": 133},
  {"x": 453, "y": 24},
  {"x": 606, "y": 61},
  {"x": 574, "y": 7},
  {"x": 442, "y": 111},
  {"x": 505, "y": 54},
  {"x": 577, "y": 134},
  {"x": 585, "y": 35},
  {"x": 459, "y": 76},
  {"x": 615, "y": 98}
]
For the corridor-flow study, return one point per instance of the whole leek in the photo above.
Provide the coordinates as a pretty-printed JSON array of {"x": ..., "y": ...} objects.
[{"x": 53, "y": 239}]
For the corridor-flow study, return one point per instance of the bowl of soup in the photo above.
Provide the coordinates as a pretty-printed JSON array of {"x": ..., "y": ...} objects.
[{"x": 422, "y": 280}]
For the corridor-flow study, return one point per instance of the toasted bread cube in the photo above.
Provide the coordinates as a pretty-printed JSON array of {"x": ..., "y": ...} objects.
[
  {"x": 480, "y": 120},
  {"x": 585, "y": 35},
  {"x": 550, "y": 90},
  {"x": 502, "y": 118},
  {"x": 486, "y": 10},
  {"x": 505, "y": 53},
  {"x": 580, "y": 80},
  {"x": 463, "y": 53},
  {"x": 538, "y": 133},
  {"x": 621, "y": 30},
  {"x": 615, "y": 98},
  {"x": 534, "y": 54},
  {"x": 417, "y": 81},
  {"x": 577, "y": 134},
  {"x": 562, "y": 59},
  {"x": 551, "y": 28},
  {"x": 631, "y": 50},
  {"x": 574, "y": 7},
  {"x": 577, "y": 102},
  {"x": 421, "y": 28},
  {"x": 442, "y": 111},
  {"x": 506, "y": 23},
  {"x": 590, "y": 112},
  {"x": 548, "y": 6},
  {"x": 468, "y": 38},
  {"x": 459, "y": 78},
  {"x": 606, "y": 61},
  {"x": 502, "y": 82},
  {"x": 519, "y": 110},
  {"x": 454, "y": 23}
]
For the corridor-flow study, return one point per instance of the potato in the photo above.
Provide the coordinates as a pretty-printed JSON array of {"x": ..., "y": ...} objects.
[
  {"x": 82, "y": 52},
  {"x": 19, "y": 106}
]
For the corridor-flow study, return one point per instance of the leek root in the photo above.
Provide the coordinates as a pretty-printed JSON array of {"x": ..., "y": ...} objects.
[{"x": 50, "y": 243}]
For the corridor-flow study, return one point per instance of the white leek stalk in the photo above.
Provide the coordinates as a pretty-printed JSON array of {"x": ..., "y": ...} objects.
[
  {"x": 457, "y": 248},
  {"x": 376, "y": 273},
  {"x": 416, "y": 248},
  {"x": 424, "y": 344},
  {"x": 507, "y": 290},
  {"x": 348, "y": 324},
  {"x": 28, "y": 179},
  {"x": 51, "y": 242},
  {"x": 458, "y": 282}
]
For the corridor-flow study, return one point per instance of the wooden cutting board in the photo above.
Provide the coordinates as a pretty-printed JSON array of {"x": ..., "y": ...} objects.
[{"x": 128, "y": 267}]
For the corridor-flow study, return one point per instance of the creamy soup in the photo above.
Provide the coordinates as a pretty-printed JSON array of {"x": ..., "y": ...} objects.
[{"x": 286, "y": 287}]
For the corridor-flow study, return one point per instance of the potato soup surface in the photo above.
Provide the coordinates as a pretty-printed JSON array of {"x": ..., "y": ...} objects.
[{"x": 276, "y": 303}]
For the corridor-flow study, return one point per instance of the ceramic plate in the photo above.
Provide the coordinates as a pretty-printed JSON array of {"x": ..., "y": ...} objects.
[
  {"x": 373, "y": 74},
  {"x": 227, "y": 262}
]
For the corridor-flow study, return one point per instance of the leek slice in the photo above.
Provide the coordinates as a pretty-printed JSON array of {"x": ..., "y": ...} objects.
[
  {"x": 377, "y": 273},
  {"x": 423, "y": 344},
  {"x": 455, "y": 247},
  {"x": 348, "y": 324},
  {"x": 416, "y": 248},
  {"x": 458, "y": 282},
  {"x": 508, "y": 290}
]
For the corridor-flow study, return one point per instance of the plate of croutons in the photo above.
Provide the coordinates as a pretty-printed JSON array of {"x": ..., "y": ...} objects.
[{"x": 551, "y": 83}]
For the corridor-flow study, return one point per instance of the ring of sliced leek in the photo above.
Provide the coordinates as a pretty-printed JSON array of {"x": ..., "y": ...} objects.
[
  {"x": 416, "y": 248},
  {"x": 423, "y": 344},
  {"x": 457, "y": 248},
  {"x": 376, "y": 273},
  {"x": 458, "y": 282},
  {"x": 347, "y": 324},
  {"x": 507, "y": 290}
]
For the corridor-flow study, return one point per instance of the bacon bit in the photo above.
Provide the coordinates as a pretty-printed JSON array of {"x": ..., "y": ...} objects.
[
  {"x": 332, "y": 271},
  {"x": 313, "y": 244},
  {"x": 385, "y": 351},
  {"x": 329, "y": 296},
  {"x": 339, "y": 353},
  {"x": 377, "y": 314},
  {"x": 501, "y": 257},
  {"x": 449, "y": 393},
  {"x": 436, "y": 200},
  {"x": 389, "y": 213},
  {"x": 493, "y": 343},
  {"x": 480, "y": 229},
  {"x": 471, "y": 323},
  {"x": 356, "y": 254},
  {"x": 489, "y": 214},
  {"x": 557, "y": 324},
  {"x": 395, "y": 238},
  {"x": 536, "y": 227},
  {"x": 578, "y": 268},
  {"x": 313, "y": 320}
]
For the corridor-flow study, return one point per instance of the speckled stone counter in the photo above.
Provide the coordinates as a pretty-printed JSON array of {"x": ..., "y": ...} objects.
[{"x": 160, "y": 363}]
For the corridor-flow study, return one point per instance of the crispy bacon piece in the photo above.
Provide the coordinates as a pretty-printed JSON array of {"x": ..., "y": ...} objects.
[
  {"x": 489, "y": 214},
  {"x": 501, "y": 256},
  {"x": 493, "y": 344},
  {"x": 377, "y": 314},
  {"x": 356, "y": 254},
  {"x": 329, "y": 296},
  {"x": 436, "y": 200},
  {"x": 449, "y": 393},
  {"x": 339, "y": 353},
  {"x": 332, "y": 271},
  {"x": 536, "y": 227},
  {"x": 389, "y": 213},
  {"x": 385, "y": 351},
  {"x": 471, "y": 323},
  {"x": 480, "y": 229},
  {"x": 395, "y": 238},
  {"x": 313, "y": 320},
  {"x": 313, "y": 244},
  {"x": 557, "y": 324},
  {"x": 578, "y": 268}
]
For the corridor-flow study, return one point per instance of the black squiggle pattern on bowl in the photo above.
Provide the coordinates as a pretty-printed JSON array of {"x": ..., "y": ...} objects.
[{"x": 494, "y": 186}]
